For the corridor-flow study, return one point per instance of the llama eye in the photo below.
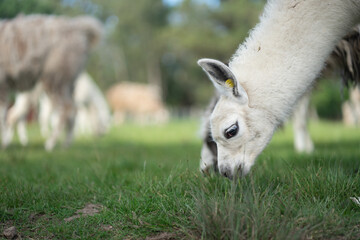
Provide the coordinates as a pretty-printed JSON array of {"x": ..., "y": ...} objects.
[{"x": 231, "y": 131}]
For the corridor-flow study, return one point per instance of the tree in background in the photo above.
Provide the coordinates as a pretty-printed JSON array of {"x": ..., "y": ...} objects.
[
  {"x": 196, "y": 30},
  {"x": 11, "y": 8}
]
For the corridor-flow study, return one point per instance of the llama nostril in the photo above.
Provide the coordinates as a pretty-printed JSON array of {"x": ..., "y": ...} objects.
[{"x": 226, "y": 172}]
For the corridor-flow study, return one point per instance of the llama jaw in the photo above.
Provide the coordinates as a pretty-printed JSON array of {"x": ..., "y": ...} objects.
[
  {"x": 234, "y": 156},
  {"x": 234, "y": 165}
]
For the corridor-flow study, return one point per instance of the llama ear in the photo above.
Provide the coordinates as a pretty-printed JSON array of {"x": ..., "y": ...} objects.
[{"x": 223, "y": 79}]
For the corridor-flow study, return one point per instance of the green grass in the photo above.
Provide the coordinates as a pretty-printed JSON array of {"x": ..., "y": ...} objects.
[{"x": 147, "y": 180}]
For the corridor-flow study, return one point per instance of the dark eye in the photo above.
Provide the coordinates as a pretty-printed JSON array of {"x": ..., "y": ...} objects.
[{"x": 231, "y": 131}]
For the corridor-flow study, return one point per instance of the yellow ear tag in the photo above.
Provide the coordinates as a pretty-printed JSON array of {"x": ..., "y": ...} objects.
[{"x": 229, "y": 83}]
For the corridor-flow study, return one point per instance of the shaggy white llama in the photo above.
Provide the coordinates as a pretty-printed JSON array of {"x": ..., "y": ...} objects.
[
  {"x": 92, "y": 117},
  {"x": 268, "y": 74},
  {"x": 49, "y": 49},
  {"x": 94, "y": 113}
]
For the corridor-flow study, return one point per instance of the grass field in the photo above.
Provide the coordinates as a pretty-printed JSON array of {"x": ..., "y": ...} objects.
[{"x": 145, "y": 184}]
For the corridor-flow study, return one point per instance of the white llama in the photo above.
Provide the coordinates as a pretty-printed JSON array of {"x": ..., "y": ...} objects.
[
  {"x": 93, "y": 115},
  {"x": 268, "y": 74}
]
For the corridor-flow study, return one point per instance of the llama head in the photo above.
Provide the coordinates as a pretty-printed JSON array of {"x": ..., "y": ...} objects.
[{"x": 240, "y": 132}]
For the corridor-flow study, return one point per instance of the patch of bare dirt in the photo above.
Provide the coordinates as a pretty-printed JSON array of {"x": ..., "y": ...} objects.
[
  {"x": 10, "y": 233},
  {"x": 36, "y": 216},
  {"x": 163, "y": 236},
  {"x": 90, "y": 209},
  {"x": 107, "y": 227}
]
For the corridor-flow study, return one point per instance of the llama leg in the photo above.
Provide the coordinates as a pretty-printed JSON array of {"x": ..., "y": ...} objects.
[
  {"x": 57, "y": 126},
  {"x": 302, "y": 140},
  {"x": 355, "y": 103},
  {"x": 7, "y": 131},
  {"x": 17, "y": 115},
  {"x": 21, "y": 129},
  {"x": 70, "y": 114},
  {"x": 56, "y": 115},
  {"x": 3, "y": 111},
  {"x": 45, "y": 114},
  {"x": 3, "y": 124},
  {"x": 63, "y": 117}
]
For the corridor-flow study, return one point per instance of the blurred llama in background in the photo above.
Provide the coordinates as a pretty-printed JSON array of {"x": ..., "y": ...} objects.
[
  {"x": 48, "y": 49},
  {"x": 138, "y": 102}
]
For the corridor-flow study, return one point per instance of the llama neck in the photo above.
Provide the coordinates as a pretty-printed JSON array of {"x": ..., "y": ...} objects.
[{"x": 286, "y": 51}]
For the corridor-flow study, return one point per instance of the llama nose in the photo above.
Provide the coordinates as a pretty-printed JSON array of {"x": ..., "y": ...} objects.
[{"x": 226, "y": 171}]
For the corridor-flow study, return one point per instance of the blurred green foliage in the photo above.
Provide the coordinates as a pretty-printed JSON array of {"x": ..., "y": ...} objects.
[
  {"x": 328, "y": 97},
  {"x": 159, "y": 43},
  {"x": 10, "y": 8}
]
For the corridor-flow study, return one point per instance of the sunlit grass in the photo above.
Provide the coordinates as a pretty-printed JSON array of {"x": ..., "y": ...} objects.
[{"x": 147, "y": 179}]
